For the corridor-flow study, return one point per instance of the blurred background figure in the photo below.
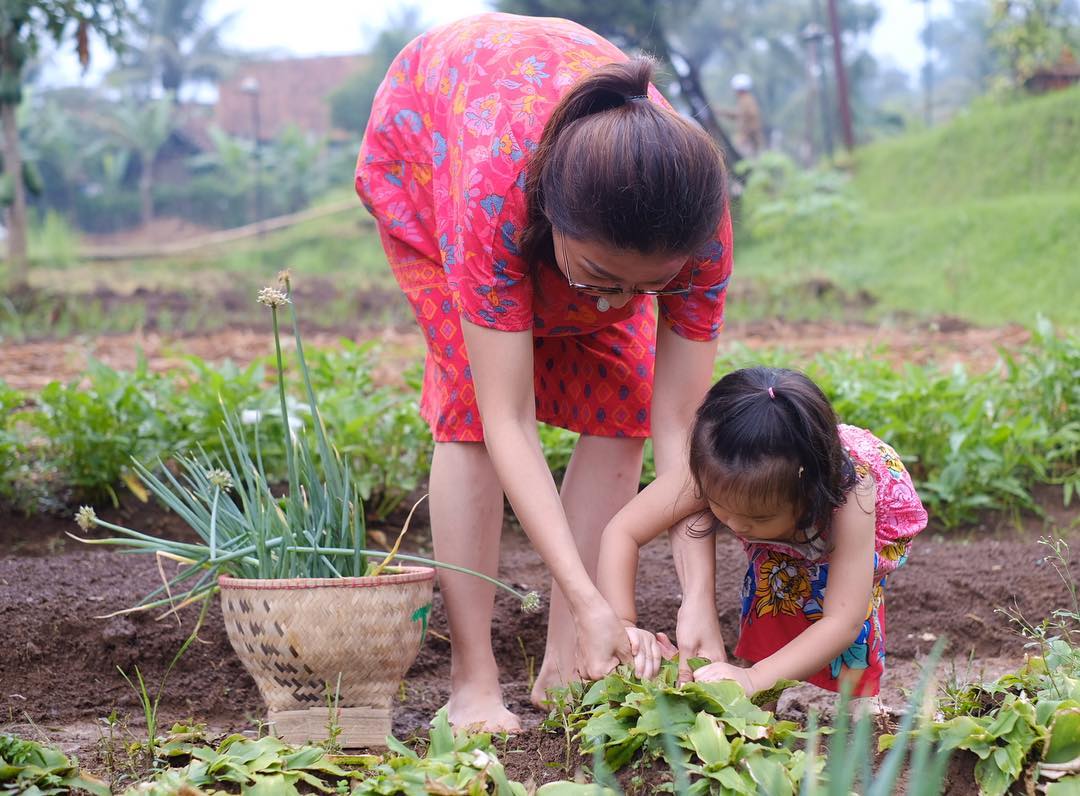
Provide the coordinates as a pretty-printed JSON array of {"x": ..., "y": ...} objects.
[{"x": 750, "y": 132}]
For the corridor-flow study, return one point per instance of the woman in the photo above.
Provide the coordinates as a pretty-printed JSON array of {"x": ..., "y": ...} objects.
[{"x": 532, "y": 192}]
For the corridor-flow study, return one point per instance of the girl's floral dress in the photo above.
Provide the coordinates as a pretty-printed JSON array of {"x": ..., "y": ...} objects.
[
  {"x": 784, "y": 588},
  {"x": 442, "y": 169}
]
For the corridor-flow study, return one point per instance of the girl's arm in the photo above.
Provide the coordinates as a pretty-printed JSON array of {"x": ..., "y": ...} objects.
[
  {"x": 502, "y": 368},
  {"x": 656, "y": 508},
  {"x": 847, "y": 600},
  {"x": 684, "y": 372}
]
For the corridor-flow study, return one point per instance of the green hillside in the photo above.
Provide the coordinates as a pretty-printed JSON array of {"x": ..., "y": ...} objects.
[{"x": 978, "y": 219}]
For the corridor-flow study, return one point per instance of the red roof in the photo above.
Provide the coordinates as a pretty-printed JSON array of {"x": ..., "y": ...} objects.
[{"x": 292, "y": 91}]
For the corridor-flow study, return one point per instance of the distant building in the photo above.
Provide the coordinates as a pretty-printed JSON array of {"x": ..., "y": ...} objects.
[
  {"x": 1064, "y": 73},
  {"x": 283, "y": 93}
]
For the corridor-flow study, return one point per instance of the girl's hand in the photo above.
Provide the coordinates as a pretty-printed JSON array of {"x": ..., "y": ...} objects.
[
  {"x": 726, "y": 671},
  {"x": 648, "y": 651},
  {"x": 602, "y": 643},
  {"x": 698, "y": 632}
]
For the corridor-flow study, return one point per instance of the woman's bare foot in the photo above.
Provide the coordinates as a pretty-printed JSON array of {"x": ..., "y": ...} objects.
[
  {"x": 548, "y": 678},
  {"x": 480, "y": 711}
]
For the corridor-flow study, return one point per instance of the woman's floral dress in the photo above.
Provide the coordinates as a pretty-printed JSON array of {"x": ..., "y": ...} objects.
[
  {"x": 442, "y": 169},
  {"x": 784, "y": 587}
]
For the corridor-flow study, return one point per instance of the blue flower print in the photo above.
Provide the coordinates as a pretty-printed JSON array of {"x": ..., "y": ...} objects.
[
  {"x": 749, "y": 586},
  {"x": 438, "y": 149},
  {"x": 533, "y": 70},
  {"x": 492, "y": 204},
  {"x": 713, "y": 293},
  {"x": 448, "y": 252},
  {"x": 504, "y": 279},
  {"x": 813, "y": 608},
  {"x": 857, "y": 656},
  {"x": 712, "y": 251},
  {"x": 408, "y": 117},
  {"x": 509, "y": 237}
]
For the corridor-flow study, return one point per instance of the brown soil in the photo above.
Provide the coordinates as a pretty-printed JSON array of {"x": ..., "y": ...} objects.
[
  {"x": 31, "y": 365},
  {"x": 58, "y": 674}
]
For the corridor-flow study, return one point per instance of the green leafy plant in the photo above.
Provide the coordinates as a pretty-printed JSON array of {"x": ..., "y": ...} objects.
[
  {"x": 95, "y": 426},
  {"x": 315, "y": 530},
  {"x": 378, "y": 429},
  {"x": 973, "y": 442},
  {"x": 149, "y": 703},
  {"x": 709, "y": 731},
  {"x": 454, "y": 762},
  {"x": 1025, "y": 725},
  {"x": 263, "y": 765},
  {"x": 27, "y": 767}
]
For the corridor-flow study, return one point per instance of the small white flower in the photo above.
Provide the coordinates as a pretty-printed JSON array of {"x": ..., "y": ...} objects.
[
  {"x": 221, "y": 479},
  {"x": 530, "y": 603},
  {"x": 250, "y": 417},
  {"x": 272, "y": 297},
  {"x": 482, "y": 759},
  {"x": 86, "y": 517}
]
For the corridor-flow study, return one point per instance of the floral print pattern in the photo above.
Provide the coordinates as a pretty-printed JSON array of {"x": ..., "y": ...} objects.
[
  {"x": 783, "y": 591},
  {"x": 442, "y": 170}
]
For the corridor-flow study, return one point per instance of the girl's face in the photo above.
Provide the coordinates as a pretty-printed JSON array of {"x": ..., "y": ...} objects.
[{"x": 776, "y": 522}]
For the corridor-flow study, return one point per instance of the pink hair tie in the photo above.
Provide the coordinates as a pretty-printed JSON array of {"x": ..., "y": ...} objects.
[{"x": 772, "y": 394}]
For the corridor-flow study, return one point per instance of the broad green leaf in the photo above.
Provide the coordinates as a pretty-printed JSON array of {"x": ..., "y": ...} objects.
[
  {"x": 991, "y": 779},
  {"x": 1064, "y": 743},
  {"x": 709, "y": 741},
  {"x": 1068, "y": 786}
]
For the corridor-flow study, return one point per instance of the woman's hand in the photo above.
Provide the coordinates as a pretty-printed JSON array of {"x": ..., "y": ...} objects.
[
  {"x": 727, "y": 671},
  {"x": 699, "y": 636},
  {"x": 602, "y": 643},
  {"x": 649, "y": 651}
]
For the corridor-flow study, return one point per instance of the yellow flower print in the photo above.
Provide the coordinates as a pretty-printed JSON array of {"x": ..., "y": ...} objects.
[
  {"x": 876, "y": 596},
  {"x": 895, "y": 550},
  {"x": 783, "y": 586},
  {"x": 891, "y": 459},
  {"x": 422, "y": 173}
]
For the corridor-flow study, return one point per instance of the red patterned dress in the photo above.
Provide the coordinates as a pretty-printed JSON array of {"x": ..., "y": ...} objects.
[
  {"x": 442, "y": 170},
  {"x": 784, "y": 588}
]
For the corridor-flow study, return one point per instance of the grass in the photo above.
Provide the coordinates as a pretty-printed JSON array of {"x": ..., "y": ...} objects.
[
  {"x": 976, "y": 219},
  {"x": 989, "y": 261}
]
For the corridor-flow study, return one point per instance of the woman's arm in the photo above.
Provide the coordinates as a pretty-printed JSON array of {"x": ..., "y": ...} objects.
[
  {"x": 684, "y": 371},
  {"x": 847, "y": 599},
  {"x": 502, "y": 368}
]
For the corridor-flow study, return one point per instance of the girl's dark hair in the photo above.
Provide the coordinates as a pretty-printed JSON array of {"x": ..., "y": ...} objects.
[
  {"x": 615, "y": 168},
  {"x": 763, "y": 449}
]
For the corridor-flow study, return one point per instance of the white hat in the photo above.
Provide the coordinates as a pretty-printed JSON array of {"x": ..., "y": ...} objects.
[{"x": 741, "y": 82}]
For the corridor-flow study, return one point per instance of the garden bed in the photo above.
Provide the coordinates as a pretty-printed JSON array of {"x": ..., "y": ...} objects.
[{"x": 59, "y": 674}]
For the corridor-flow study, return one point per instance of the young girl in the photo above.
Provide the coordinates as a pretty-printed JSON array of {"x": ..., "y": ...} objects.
[{"x": 824, "y": 512}]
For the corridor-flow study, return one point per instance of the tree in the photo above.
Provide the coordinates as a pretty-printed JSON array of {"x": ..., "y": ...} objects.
[
  {"x": 171, "y": 44},
  {"x": 1034, "y": 33},
  {"x": 965, "y": 62},
  {"x": 143, "y": 128},
  {"x": 642, "y": 25},
  {"x": 350, "y": 105},
  {"x": 23, "y": 26}
]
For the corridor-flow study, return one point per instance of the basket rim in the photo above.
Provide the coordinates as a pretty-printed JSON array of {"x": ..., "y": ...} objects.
[{"x": 409, "y": 575}]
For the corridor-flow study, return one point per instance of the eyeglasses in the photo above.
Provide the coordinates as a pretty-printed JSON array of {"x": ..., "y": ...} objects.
[{"x": 612, "y": 290}]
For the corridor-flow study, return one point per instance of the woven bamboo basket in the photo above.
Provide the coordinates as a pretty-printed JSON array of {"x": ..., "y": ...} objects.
[{"x": 298, "y": 636}]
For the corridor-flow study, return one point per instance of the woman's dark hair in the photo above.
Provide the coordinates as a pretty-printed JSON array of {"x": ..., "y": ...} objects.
[
  {"x": 767, "y": 436},
  {"x": 616, "y": 168}
]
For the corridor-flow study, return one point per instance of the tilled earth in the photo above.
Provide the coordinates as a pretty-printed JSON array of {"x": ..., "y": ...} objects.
[{"x": 58, "y": 662}]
